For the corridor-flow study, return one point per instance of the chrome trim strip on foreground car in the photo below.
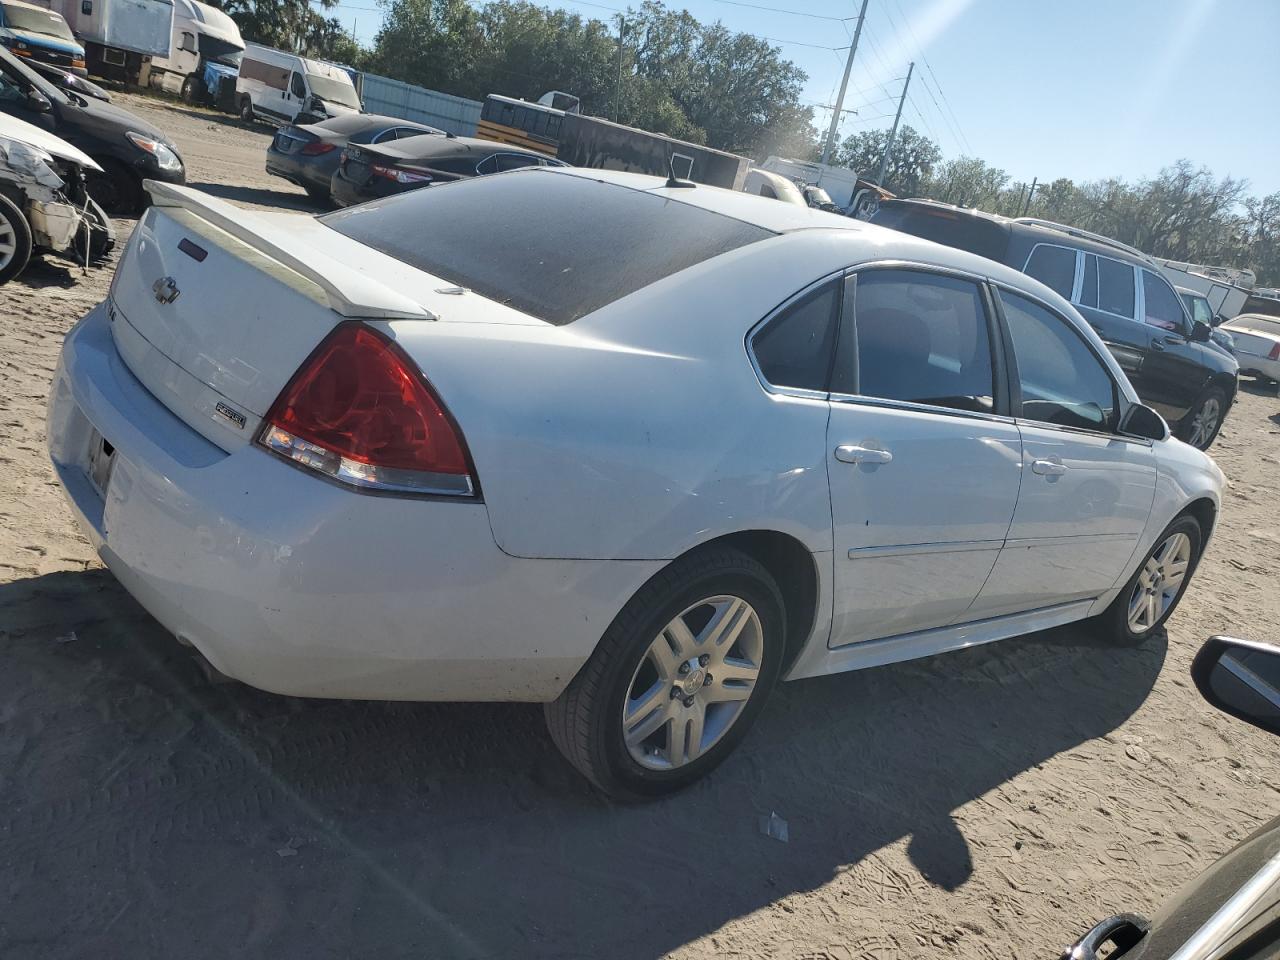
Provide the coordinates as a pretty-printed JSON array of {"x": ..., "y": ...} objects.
[
  {"x": 1242, "y": 907},
  {"x": 919, "y": 549},
  {"x": 906, "y": 646}
]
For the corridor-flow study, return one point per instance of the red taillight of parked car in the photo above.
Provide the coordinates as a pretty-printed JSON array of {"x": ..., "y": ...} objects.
[
  {"x": 359, "y": 411},
  {"x": 317, "y": 147},
  {"x": 1275, "y": 353},
  {"x": 398, "y": 175}
]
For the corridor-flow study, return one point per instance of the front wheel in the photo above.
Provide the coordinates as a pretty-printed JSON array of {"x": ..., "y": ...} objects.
[
  {"x": 1153, "y": 592},
  {"x": 677, "y": 679},
  {"x": 1201, "y": 425},
  {"x": 246, "y": 110},
  {"x": 15, "y": 240}
]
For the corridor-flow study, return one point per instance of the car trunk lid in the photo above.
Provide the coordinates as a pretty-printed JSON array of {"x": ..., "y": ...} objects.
[{"x": 214, "y": 308}]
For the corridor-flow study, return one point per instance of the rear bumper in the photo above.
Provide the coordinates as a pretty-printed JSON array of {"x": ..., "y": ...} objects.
[
  {"x": 298, "y": 586},
  {"x": 1259, "y": 366}
]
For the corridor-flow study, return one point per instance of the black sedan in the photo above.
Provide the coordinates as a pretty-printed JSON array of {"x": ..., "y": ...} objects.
[
  {"x": 128, "y": 148},
  {"x": 368, "y": 172},
  {"x": 307, "y": 154}
]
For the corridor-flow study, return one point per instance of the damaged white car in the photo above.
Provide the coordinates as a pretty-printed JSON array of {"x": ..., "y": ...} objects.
[{"x": 44, "y": 207}]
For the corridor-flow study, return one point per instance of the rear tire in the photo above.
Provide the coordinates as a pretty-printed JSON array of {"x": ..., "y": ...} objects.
[
  {"x": 663, "y": 667},
  {"x": 246, "y": 110},
  {"x": 1200, "y": 427},
  {"x": 1146, "y": 602},
  {"x": 15, "y": 240}
]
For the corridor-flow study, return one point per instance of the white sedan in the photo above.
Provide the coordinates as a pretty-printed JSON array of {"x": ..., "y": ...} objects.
[
  {"x": 635, "y": 450},
  {"x": 1256, "y": 344}
]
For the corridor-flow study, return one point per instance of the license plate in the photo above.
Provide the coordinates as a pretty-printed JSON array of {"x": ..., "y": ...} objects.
[{"x": 102, "y": 457}]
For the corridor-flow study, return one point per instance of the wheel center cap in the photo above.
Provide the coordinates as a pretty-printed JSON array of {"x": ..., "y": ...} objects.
[{"x": 692, "y": 681}]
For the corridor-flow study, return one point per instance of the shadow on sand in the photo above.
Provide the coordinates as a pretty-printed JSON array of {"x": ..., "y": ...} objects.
[{"x": 146, "y": 809}]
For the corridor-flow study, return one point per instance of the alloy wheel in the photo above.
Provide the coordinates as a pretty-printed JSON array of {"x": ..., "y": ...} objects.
[
  {"x": 8, "y": 241},
  {"x": 693, "y": 683},
  {"x": 1159, "y": 582},
  {"x": 1205, "y": 422}
]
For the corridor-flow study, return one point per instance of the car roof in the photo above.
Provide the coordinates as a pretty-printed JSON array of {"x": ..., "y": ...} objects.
[
  {"x": 1044, "y": 231},
  {"x": 434, "y": 145},
  {"x": 761, "y": 211}
]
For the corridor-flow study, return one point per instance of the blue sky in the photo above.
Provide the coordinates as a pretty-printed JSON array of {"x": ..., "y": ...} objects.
[{"x": 1042, "y": 88}]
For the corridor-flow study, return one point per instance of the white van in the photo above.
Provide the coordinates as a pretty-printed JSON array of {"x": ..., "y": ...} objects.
[
  {"x": 202, "y": 35},
  {"x": 282, "y": 88}
]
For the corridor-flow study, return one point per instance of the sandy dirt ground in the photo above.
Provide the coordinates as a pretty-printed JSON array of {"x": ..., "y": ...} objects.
[{"x": 986, "y": 804}]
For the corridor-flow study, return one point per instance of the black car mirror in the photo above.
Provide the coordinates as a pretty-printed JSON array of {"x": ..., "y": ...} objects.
[
  {"x": 37, "y": 102},
  {"x": 1201, "y": 332},
  {"x": 1241, "y": 678},
  {"x": 1143, "y": 422},
  {"x": 1218, "y": 320}
]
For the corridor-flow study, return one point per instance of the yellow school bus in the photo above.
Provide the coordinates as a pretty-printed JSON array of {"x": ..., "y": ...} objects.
[{"x": 519, "y": 122}]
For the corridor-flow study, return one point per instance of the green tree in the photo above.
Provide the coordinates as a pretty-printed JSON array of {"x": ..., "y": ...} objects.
[{"x": 911, "y": 161}]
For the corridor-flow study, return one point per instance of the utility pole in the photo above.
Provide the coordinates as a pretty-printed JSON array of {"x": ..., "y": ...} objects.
[
  {"x": 617, "y": 90},
  {"x": 893, "y": 134},
  {"x": 1030, "y": 193},
  {"x": 844, "y": 82}
]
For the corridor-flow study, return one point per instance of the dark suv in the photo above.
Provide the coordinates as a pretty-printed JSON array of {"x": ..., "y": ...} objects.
[{"x": 1170, "y": 359}]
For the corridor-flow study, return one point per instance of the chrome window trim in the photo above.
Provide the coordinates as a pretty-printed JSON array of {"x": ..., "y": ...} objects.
[
  {"x": 980, "y": 280},
  {"x": 1078, "y": 282},
  {"x": 1119, "y": 393},
  {"x": 748, "y": 340},
  {"x": 1075, "y": 276},
  {"x": 856, "y": 399}
]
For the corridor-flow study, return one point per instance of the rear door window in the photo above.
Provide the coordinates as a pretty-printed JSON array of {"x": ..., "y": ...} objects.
[
  {"x": 515, "y": 161},
  {"x": 1053, "y": 266},
  {"x": 1160, "y": 304},
  {"x": 923, "y": 338},
  {"x": 794, "y": 348},
  {"x": 1115, "y": 287},
  {"x": 1061, "y": 380}
]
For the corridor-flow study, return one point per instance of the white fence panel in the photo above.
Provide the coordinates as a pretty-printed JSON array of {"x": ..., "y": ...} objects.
[{"x": 456, "y": 115}]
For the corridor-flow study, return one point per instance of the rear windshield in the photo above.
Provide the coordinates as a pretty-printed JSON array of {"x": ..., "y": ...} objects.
[
  {"x": 955, "y": 228},
  {"x": 553, "y": 246}
]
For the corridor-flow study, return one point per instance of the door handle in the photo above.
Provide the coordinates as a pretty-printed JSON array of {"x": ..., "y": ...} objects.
[
  {"x": 1048, "y": 468},
  {"x": 852, "y": 453},
  {"x": 1157, "y": 344}
]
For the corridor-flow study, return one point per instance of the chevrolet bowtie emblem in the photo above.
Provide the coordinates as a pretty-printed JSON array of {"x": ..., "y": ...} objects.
[{"x": 165, "y": 289}]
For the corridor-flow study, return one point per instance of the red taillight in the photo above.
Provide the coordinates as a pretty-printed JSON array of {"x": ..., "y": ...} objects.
[
  {"x": 316, "y": 147},
  {"x": 1275, "y": 353},
  {"x": 359, "y": 411}
]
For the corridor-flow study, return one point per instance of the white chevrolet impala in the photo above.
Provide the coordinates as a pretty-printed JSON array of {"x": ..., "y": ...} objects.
[{"x": 632, "y": 449}]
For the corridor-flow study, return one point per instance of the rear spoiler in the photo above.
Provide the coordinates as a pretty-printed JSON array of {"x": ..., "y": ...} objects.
[{"x": 350, "y": 293}]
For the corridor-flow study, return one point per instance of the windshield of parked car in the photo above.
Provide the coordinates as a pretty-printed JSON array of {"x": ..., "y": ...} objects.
[
  {"x": 36, "y": 21},
  {"x": 335, "y": 91},
  {"x": 14, "y": 73},
  {"x": 555, "y": 246}
]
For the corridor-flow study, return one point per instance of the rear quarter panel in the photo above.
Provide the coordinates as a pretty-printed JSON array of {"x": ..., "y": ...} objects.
[{"x": 642, "y": 430}]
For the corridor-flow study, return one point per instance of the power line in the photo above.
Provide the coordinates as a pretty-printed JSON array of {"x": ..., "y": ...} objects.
[
  {"x": 794, "y": 13},
  {"x": 956, "y": 128}
]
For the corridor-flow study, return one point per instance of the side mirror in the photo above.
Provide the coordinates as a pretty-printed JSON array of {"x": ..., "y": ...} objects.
[
  {"x": 1143, "y": 422},
  {"x": 1218, "y": 320},
  {"x": 37, "y": 102},
  {"x": 1201, "y": 332},
  {"x": 1241, "y": 678}
]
